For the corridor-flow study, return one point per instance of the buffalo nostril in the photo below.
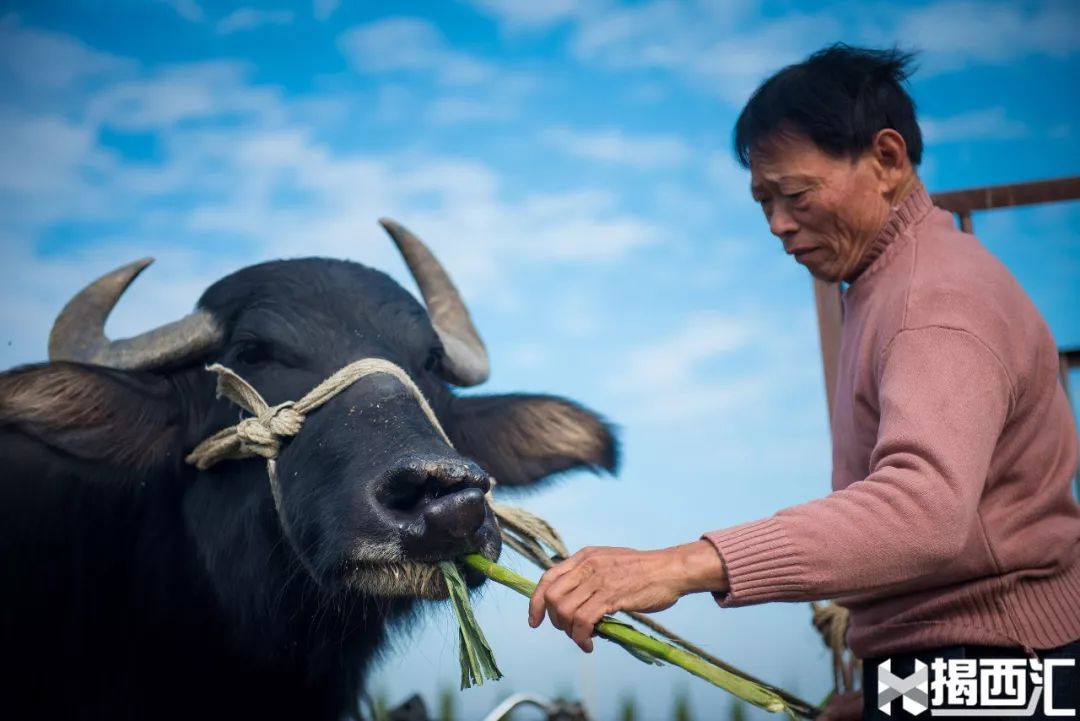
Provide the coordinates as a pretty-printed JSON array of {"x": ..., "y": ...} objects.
[
  {"x": 437, "y": 504},
  {"x": 412, "y": 486},
  {"x": 455, "y": 517},
  {"x": 445, "y": 527}
]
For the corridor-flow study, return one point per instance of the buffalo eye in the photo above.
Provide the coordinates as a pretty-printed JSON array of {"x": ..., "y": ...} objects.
[
  {"x": 253, "y": 353},
  {"x": 433, "y": 360}
]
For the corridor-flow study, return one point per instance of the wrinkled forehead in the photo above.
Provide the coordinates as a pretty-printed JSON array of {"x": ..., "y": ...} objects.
[
  {"x": 789, "y": 156},
  {"x": 319, "y": 304}
]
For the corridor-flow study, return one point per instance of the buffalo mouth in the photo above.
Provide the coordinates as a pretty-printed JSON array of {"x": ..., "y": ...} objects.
[
  {"x": 430, "y": 508},
  {"x": 390, "y": 572},
  {"x": 408, "y": 579}
]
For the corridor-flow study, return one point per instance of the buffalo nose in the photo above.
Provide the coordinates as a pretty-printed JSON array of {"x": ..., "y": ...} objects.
[{"x": 437, "y": 504}]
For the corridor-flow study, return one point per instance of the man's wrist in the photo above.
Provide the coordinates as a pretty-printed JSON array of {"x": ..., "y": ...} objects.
[{"x": 700, "y": 568}]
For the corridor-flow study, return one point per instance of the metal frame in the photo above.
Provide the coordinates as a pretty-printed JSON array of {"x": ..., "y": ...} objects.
[{"x": 964, "y": 202}]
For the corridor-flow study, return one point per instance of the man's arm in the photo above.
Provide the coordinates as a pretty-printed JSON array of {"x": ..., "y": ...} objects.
[{"x": 944, "y": 398}]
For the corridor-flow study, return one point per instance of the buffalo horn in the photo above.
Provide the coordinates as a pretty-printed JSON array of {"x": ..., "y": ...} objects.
[
  {"x": 79, "y": 331},
  {"x": 465, "y": 361}
]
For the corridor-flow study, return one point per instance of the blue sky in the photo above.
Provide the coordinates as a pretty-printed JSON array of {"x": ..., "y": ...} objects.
[{"x": 569, "y": 161}]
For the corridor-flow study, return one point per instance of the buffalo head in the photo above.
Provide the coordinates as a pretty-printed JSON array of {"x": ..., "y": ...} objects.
[
  {"x": 128, "y": 570},
  {"x": 374, "y": 495}
]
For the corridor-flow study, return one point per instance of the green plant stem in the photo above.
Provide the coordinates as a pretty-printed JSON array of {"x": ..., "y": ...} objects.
[{"x": 626, "y": 635}]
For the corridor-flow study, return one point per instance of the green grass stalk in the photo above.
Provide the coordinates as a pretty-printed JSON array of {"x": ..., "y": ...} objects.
[{"x": 628, "y": 636}]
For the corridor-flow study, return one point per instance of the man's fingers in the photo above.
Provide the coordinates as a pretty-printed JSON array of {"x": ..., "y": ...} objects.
[
  {"x": 585, "y": 619},
  {"x": 564, "y": 599},
  {"x": 550, "y": 592},
  {"x": 536, "y": 607},
  {"x": 539, "y": 600}
]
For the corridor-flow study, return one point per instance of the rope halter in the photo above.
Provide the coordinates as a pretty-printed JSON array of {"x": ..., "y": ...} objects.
[{"x": 262, "y": 432}]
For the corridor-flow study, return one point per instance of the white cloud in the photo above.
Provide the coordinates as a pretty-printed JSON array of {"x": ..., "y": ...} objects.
[
  {"x": 26, "y": 170},
  {"x": 616, "y": 147},
  {"x": 323, "y": 9},
  {"x": 241, "y": 175},
  {"x": 33, "y": 58},
  {"x": 187, "y": 9},
  {"x": 250, "y": 18},
  {"x": 210, "y": 90},
  {"x": 674, "y": 359},
  {"x": 665, "y": 380},
  {"x": 528, "y": 356},
  {"x": 958, "y": 33},
  {"x": 728, "y": 176},
  {"x": 413, "y": 45},
  {"x": 712, "y": 364},
  {"x": 48, "y": 158},
  {"x": 734, "y": 66},
  {"x": 633, "y": 35},
  {"x": 477, "y": 91},
  {"x": 727, "y": 50},
  {"x": 702, "y": 42},
  {"x": 452, "y": 111},
  {"x": 988, "y": 124},
  {"x": 575, "y": 314},
  {"x": 536, "y": 15}
]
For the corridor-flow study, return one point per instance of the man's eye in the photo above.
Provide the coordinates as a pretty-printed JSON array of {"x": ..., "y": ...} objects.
[{"x": 797, "y": 195}]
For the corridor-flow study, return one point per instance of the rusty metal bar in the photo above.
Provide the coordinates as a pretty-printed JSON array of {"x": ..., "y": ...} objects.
[
  {"x": 827, "y": 302},
  {"x": 1068, "y": 359},
  {"x": 1004, "y": 196},
  {"x": 965, "y": 222}
]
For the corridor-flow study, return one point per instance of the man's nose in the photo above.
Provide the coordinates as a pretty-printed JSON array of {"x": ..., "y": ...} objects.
[{"x": 781, "y": 224}]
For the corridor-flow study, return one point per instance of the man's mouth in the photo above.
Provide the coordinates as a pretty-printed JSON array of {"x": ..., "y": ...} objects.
[{"x": 802, "y": 254}]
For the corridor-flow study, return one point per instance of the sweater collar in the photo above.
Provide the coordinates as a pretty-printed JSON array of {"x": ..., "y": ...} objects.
[{"x": 909, "y": 211}]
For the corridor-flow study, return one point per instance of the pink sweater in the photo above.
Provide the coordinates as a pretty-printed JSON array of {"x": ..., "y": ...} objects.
[{"x": 951, "y": 518}]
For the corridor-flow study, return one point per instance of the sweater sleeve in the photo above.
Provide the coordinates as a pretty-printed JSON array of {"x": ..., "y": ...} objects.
[{"x": 943, "y": 400}]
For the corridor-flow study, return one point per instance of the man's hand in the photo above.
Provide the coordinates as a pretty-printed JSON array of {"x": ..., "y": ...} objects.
[{"x": 599, "y": 580}]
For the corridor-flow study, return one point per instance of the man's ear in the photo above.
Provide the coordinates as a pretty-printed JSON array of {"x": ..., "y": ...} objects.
[
  {"x": 522, "y": 439},
  {"x": 92, "y": 413},
  {"x": 890, "y": 154}
]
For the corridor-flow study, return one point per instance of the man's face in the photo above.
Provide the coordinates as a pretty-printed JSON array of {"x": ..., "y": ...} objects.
[{"x": 826, "y": 210}]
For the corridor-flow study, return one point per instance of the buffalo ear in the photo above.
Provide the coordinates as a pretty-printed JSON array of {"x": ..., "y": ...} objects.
[
  {"x": 90, "y": 412},
  {"x": 521, "y": 439}
]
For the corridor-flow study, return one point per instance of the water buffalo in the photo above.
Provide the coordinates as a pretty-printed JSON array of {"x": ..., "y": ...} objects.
[{"x": 136, "y": 586}]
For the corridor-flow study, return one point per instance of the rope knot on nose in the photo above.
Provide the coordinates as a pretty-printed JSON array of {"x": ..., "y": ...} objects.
[{"x": 261, "y": 434}]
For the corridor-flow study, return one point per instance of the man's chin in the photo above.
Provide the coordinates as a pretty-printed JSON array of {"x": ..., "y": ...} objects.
[{"x": 822, "y": 273}]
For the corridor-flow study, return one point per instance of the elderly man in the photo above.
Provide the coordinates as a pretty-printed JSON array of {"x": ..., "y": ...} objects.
[{"x": 951, "y": 530}]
